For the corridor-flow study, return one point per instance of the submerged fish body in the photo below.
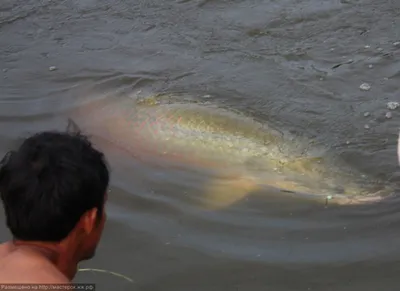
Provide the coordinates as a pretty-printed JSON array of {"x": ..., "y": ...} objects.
[
  {"x": 248, "y": 153},
  {"x": 188, "y": 130}
]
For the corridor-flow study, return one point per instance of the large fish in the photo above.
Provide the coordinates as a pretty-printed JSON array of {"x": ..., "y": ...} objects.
[{"x": 244, "y": 155}]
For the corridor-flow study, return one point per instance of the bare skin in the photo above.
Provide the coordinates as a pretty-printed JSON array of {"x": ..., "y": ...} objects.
[
  {"x": 48, "y": 262},
  {"x": 35, "y": 263}
]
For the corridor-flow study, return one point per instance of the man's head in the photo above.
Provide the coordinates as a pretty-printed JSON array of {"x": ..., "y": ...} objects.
[{"x": 54, "y": 189}]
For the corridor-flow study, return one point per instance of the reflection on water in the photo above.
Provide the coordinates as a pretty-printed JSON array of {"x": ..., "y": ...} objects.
[{"x": 295, "y": 65}]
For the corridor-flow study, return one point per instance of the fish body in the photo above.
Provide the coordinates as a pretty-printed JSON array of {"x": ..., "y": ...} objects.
[{"x": 248, "y": 154}]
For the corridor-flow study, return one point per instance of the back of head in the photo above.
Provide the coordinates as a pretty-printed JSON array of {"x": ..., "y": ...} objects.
[{"x": 49, "y": 182}]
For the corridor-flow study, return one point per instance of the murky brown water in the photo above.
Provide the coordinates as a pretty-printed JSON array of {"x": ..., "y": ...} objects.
[{"x": 295, "y": 64}]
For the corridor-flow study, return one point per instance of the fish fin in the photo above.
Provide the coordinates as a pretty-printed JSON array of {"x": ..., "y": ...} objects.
[
  {"x": 72, "y": 127},
  {"x": 223, "y": 192}
]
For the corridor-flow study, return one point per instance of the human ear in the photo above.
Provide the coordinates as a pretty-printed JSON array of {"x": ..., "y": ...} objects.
[{"x": 89, "y": 220}]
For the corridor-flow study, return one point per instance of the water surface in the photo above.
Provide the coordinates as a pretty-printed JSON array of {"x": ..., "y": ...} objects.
[{"x": 295, "y": 64}]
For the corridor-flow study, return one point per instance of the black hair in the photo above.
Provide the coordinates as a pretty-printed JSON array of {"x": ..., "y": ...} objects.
[{"x": 49, "y": 183}]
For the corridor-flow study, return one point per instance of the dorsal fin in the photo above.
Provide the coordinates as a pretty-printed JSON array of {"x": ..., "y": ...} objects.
[{"x": 72, "y": 127}]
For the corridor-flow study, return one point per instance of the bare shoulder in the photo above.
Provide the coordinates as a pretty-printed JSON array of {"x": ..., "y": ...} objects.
[
  {"x": 33, "y": 276},
  {"x": 17, "y": 267},
  {"x": 47, "y": 276},
  {"x": 4, "y": 249}
]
